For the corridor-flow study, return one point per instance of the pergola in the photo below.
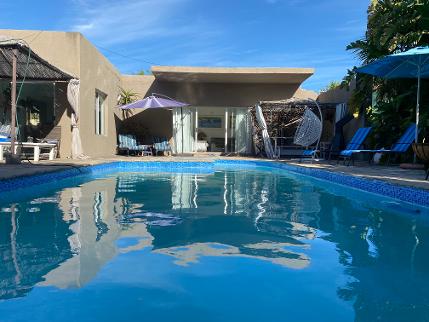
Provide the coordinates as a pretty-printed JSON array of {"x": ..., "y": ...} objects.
[
  {"x": 282, "y": 118},
  {"x": 19, "y": 63}
]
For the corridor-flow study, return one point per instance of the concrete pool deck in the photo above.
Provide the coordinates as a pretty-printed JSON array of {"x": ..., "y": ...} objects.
[{"x": 391, "y": 174}]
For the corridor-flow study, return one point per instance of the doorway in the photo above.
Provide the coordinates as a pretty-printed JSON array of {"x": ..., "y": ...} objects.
[{"x": 211, "y": 129}]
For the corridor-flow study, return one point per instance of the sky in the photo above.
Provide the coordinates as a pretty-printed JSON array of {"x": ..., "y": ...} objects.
[{"x": 136, "y": 34}]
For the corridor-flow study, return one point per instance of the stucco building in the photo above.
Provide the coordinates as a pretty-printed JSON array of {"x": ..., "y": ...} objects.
[{"x": 219, "y": 97}]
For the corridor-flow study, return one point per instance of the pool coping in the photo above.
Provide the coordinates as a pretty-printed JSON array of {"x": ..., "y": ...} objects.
[{"x": 403, "y": 193}]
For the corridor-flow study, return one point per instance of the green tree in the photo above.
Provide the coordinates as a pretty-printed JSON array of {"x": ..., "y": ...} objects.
[
  {"x": 332, "y": 85},
  {"x": 127, "y": 96},
  {"x": 393, "y": 26},
  {"x": 144, "y": 72}
]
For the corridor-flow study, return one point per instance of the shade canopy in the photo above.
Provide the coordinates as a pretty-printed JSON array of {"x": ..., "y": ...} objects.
[
  {"x": 154, "y": 101},
  {"x": 28, "y": 63},
  {"x": 409, "y": 64}
]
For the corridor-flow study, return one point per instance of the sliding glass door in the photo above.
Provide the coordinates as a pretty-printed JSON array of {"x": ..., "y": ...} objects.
[
  {"x": 237, "y": 130},
  {"x": 218, "y": 129}
]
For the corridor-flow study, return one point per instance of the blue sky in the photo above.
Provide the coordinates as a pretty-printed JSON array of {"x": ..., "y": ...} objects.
[{"x": 271, "y": 33}]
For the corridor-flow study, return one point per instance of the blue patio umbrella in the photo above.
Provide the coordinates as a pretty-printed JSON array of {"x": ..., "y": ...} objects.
[{"x": 413, "y": 63}]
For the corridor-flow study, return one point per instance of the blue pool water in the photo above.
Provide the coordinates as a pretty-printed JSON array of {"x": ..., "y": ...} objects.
[{"x": 230, "y": 245}]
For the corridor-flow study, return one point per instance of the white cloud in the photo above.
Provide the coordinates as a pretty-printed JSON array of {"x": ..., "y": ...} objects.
[
  {"x": 168, "y": 32},
  {"x": 120, "y": 22}
]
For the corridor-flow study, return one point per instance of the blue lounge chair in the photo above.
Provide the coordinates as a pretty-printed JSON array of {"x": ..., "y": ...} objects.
[
  {"x": 309, "y": 153},
  {"x": 128, "y": 143},
  {"x": 4, "y": 133},
  {"x": 355, "y": 145},
  {"x": 401, "y": 146},
  {"x": 161, "y": 145}
]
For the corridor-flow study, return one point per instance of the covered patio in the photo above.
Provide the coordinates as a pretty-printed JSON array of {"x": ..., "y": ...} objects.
[
  {"x": 283, "y": 117},
  {"x": 33, "y": 97}
]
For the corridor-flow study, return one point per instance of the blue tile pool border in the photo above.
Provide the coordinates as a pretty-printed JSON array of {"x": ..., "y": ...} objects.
[{"x": 403, "y": 193}]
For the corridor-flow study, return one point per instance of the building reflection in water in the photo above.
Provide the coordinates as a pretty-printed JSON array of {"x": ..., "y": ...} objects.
[
  {"x": 65, "y": 239},
  {"x": 71, "y": 235}
]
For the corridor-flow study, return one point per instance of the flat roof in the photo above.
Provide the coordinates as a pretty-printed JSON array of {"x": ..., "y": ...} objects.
[{"x": 275, "y": 75}]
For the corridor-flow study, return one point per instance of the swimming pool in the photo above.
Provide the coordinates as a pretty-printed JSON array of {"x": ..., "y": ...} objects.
[{"x": 229, "y": 242}]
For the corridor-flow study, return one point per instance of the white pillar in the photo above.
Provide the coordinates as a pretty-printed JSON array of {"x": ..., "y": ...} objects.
[
  {"x": 196, "y": 130},
  {"x": 52, "y": 153},
  {"x": 36, "y": 153},
  {"x": 226, "y": 130}
]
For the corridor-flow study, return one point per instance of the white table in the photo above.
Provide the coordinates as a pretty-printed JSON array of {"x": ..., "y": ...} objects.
[
  {"x": 36, "y": 148},
  {"x": 201, "y": 146}
]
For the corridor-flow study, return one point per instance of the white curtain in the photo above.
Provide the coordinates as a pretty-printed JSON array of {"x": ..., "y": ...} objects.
[
  {"x": 241, "y": 131},
  {"x": 73, "y": 98},
  {"x": 340, "y": 111},
  {"x": 267, "y": 142},
  {"x": 183, "y": 130}
]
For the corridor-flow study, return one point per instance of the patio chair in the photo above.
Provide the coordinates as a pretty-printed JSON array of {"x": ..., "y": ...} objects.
[
  {"x": 309, "y": 153},
  {"x": 128, "y": 144},
  {"x": 4, "y": 133},
  {"x": 355, "y": 145},
  {"x": 161, "y": 145},
  {"x": 400, "y": 147},
  {"x": 139, "y": 148}
]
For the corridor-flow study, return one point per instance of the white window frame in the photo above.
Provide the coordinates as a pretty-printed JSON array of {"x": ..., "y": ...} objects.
[{"x": 100, "y": 112}]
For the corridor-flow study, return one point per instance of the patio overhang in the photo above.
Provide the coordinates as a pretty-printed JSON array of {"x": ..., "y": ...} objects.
[
  {"x": 256, "y": 75},
  {"x": 28, "y": 63}
]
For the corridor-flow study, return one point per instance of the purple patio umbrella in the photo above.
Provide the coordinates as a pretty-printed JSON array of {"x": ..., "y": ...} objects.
[
  {"x": 157, "y": 101},
  {"x": 154, "y": 101}
]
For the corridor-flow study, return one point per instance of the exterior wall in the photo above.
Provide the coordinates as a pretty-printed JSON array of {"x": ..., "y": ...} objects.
[
  {"x": 75, "y": 55},
  {"x": 223, "y": 94},
  {"x": 200, "y": 94},
  {"x": 60, "y": 49},
  {"x": 343, "y": 95},
  {"x": 337, "y": 95},
  {"x": 97, "y": 73}
]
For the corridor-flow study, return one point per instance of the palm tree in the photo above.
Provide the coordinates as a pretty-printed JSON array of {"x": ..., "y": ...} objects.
[
  {"x": 127, "y": 96},
  {"x": 393, "y": 26}
]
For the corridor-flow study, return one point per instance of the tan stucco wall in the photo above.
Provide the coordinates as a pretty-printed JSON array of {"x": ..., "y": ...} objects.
[
  {"x": 338, "y": 94},
  {"x": 75, "y": 55},
  {"x": 97, "y": 73},
  {"x": 201, "y": 94}
]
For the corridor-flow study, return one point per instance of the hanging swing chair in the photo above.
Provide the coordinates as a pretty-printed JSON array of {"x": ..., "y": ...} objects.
[
  {"x": 309, "y": 132},
  {"x": 293, "y": 118}
]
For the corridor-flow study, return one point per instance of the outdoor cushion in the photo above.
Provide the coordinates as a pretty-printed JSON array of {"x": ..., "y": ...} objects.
[
  {"x": 309, "y": 153},
  {"x": 348, "y": 153},
  {"x": 356, "y": 142}
]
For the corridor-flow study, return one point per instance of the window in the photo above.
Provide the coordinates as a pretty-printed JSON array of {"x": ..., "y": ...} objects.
[{"x": 100, "y": 117}]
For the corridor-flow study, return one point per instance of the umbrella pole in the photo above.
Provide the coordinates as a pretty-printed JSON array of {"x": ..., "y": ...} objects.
[
  {"x": 418, "y": 108},
  {"x": 416, "y": 139}
]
